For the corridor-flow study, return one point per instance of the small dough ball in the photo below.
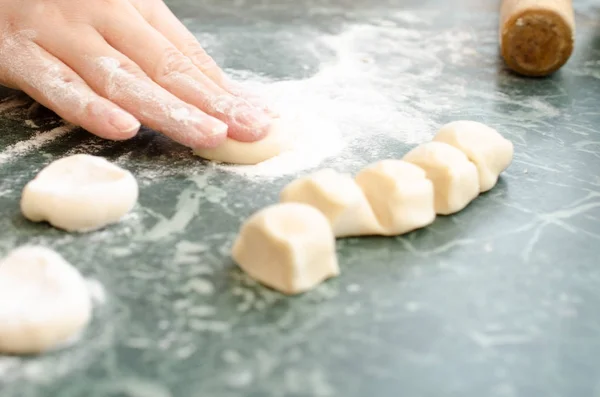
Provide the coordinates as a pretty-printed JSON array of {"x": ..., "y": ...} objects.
[
  {"x": 289, "y": 247},
  {"x": 339, "y": 198},
  {"x": 80, "y": 193},
  {"x": 400, "y": 195},
  {"x": 277, "y": 140},
  {"x": 44, "y": 301},
  {"x": 484, "y": 146},
  {"x": 455, "y": 179}
]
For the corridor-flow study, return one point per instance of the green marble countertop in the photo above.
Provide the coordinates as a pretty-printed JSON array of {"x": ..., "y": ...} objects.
[{"x": 499, "y": 300}]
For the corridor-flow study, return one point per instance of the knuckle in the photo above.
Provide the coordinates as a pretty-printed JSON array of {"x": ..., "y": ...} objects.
[
  {"x": 65, "y": 90},
  {"x": 44, "y": 10},
  {"x": 131, "y": 69},
  {"x": 172, "y": 61},
  {"x": 10, "y": 25},
  {"x": 89, "y": 110},
  {"x": 146, "y": 8},
  {"x": 117, "y": 76},
  {"x": 200, "y": 57},
  {"x": 206, "y": 63}
]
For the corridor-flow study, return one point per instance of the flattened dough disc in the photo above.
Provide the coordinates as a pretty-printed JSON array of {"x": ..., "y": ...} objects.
[{"x": 277, "y": 140}]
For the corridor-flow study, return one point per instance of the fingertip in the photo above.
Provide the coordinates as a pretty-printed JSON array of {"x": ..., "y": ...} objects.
[
  {"x": 106, "y": 120},
  {"x": 207, "y": 135},
  {"x": 216, "y": 137},
  {"x": 125, "y": 135},
  {"x": 258, "y": 134},
  {"x": 253, "y": 132},
  {"x": 124, "y": 124}
]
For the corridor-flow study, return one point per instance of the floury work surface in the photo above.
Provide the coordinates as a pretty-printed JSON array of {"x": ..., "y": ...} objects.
[{"x": 498, "y": 300}]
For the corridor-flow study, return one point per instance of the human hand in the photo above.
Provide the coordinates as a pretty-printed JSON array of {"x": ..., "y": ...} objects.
[{"x": 107, "y": 65}]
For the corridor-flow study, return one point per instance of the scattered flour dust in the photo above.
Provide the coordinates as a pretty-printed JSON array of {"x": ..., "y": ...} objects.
[
  {"x": 12, "y": 103},
  {"x": 46, "y": 368},
  {"x": 350, "y": 99},
  {"x": 31, "y": 124},
  {"x": 349, "y": 103},
  {"x": 35, "y": 142},
  {"x": 313, "y": 140}
]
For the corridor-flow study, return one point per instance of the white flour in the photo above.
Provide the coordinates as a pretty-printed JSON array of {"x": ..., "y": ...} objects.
[
  {"x": 316, "y": 140},
  {"x": 342, "y": 108},
  {"x": 12, "y": 103},
  {"x": 31, "y": 124},
  {"x": 35, "y": 142}
]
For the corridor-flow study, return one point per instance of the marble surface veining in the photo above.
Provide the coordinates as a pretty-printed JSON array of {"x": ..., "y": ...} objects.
[{"x": 500, "y": 299}]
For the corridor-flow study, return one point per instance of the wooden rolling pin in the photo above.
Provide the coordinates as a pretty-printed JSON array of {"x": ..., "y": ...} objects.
[{"x": 536, "y": 36}]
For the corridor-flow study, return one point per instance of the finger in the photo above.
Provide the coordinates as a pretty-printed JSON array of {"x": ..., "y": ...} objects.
[
  {"x": 165, "y": 22},
  {"x": 168, "y": 67},
  {"x": 54, "y": 85},
  {"x": 117, "y": 78}
]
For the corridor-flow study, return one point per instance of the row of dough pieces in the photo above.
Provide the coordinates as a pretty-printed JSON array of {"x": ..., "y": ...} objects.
[{"x": 290, "y": 246}]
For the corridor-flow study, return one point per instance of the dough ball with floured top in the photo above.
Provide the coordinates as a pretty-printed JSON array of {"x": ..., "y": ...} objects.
[
  {"x": 289, "y": 247},
  {"x": 80, "y": 193},
  {"x": 44, "y": 301},
  {"x": 454, "y": 177}
]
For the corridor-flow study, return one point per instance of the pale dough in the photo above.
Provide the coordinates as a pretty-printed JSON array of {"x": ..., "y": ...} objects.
[
  {"x": 484, "y": 146},
  {"x": 44, "y": 301},
  {"x": 277, "y": 140},
  {"x": 400, "y": 195},
  {"x": 454, "y": 177},
  {"x": 339, "y": 198},
  {"x": 80, "y": 193},
  {"x": 289, "y": 247}
]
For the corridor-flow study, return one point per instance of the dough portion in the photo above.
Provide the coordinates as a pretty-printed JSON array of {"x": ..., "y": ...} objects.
[
  {"x": 277, "y": 140},
  {"x": 484, "y": 146},
  {"x": 79, "y": 193},
  {"x": 44, "y": 301},
  {"x": 454, "y": 177},
  {"x": 289, "y": 247},
  {"x": 339, "y": 198},
  {"x": 400, "y": 195}
]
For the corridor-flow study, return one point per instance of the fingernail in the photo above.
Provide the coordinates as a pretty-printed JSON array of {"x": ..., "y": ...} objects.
[{"x": 123, "y": 121}]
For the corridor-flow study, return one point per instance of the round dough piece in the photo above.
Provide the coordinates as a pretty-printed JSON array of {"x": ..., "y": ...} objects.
[
  {"x": 277, "y": 140},
  {"x": 289, "y": 247},
  {"x": 80, "y": 193},
  {"x": 44, "y": 301}
]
